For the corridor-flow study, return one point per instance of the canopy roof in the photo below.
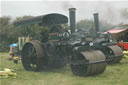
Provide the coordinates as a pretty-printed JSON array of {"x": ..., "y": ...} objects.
[{"x": 49, "y": 19}]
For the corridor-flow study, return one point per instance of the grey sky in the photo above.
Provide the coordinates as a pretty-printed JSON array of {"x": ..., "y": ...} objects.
[{"x": 109, "y": 11}]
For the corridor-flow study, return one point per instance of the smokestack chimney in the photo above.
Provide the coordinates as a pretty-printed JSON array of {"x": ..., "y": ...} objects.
[
  {"x": 72, "y": 16},
  {"x": 96, "y": 21}
]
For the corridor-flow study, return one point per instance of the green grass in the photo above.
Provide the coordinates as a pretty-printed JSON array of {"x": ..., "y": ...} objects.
[{"x": 114, "y": 75}]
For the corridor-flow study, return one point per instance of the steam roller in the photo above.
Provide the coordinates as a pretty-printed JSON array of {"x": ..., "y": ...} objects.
[
  {"x": 58, "y": 47},
  {"x": 105, "y": 43}
]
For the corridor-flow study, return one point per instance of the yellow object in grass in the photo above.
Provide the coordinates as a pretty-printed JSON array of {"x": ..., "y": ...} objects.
[
  {"x": 7, "y": 73},
  {"x": 125, "y": 52},
  {"x": 126, "y": 56},
  {"x": 16, "y": 58}
]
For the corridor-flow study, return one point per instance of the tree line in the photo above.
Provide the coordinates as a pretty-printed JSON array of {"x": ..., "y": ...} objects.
[{"x": 9, "y": 33}]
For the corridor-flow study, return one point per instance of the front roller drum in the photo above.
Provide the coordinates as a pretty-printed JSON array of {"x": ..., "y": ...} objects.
[
  {"x": 33, "y": 56},
  {"x": 118, "y": 54},
  {"x": 95, "y": 63}
]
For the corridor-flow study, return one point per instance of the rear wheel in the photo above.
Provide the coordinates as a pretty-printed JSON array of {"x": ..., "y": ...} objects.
[{"x": 32, "y": 56}]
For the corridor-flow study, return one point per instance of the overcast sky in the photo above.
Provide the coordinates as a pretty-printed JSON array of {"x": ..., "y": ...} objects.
[{"x": 110, "y": 11}]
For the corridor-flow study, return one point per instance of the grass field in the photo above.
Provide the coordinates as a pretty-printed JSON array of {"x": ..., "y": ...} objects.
[{"x": 114, "y": 75}]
